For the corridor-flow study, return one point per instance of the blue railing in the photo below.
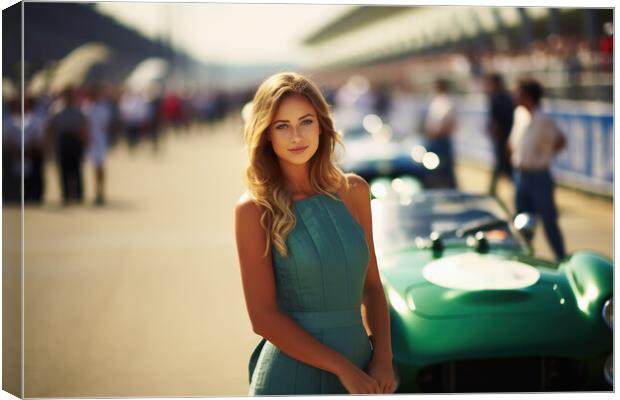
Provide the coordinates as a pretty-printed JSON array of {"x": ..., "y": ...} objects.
[{"x": 587, "y": 162}]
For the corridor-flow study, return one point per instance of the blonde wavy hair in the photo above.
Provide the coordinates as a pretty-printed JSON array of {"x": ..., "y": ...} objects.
[{"x": 264, "y": 179}]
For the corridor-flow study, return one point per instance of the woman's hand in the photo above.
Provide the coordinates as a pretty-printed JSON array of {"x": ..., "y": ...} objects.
[
  {"x": 383, "y": 373},
  {"x": 357, "y": 381}
]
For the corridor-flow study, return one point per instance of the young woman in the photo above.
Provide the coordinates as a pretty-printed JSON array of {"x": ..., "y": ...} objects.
[{"x": 308, "y": 266}]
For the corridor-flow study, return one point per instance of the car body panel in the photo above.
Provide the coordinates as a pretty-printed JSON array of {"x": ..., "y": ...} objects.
[
  {"x": 372, "y": 156},
  {"x": 553, "y": 321}
]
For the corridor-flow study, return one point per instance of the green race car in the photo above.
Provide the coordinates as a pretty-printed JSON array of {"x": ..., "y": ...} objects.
[{"x": 471, "y": 308}]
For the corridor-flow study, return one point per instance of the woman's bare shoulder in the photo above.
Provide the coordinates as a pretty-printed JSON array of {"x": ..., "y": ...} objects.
[
  {"x": 357, "y": 187},
  {"x": 247, "y": 206}
]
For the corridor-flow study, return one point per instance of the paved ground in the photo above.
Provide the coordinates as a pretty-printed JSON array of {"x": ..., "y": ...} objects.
[{"x": 143, "y": 297}]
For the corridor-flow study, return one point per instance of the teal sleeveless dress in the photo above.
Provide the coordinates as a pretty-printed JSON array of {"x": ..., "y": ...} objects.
[{"x": 320, "y": 286}]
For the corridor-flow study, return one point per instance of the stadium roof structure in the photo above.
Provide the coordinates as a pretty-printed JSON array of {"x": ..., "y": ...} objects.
[{"x": 368, "y": 34}]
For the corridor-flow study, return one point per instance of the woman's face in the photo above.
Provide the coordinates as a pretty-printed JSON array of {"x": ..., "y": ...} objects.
[{"x": 294, "y": 131}]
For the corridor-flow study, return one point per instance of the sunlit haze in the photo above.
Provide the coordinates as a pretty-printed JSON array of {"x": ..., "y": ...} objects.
[{"x": 228, "y": 33}]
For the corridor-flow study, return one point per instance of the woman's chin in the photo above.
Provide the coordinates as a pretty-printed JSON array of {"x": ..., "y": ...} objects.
[{"x": 297, "y": 160}]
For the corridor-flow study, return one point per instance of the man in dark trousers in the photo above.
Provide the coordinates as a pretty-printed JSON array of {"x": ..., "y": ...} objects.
[
  {"x": 68, "y": 130},
  {"x": 499, "y": 124},
  {"x": 533, "y": 144},
  {"x": 34, "y": 125}
]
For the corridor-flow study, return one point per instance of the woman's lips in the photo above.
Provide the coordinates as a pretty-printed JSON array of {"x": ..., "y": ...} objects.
[{"x": 298, "y": 150}]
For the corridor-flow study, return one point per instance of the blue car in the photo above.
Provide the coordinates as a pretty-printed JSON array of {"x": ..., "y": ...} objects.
[{"x": 372, "y": 151}]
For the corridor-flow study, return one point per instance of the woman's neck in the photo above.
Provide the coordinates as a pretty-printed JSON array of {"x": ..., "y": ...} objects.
[{"x": 297, "y": 178}]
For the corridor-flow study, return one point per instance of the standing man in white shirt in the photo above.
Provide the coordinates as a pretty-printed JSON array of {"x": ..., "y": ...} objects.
[
  {"x": 534, "y": 141},
  {"x": 439, "y": 126}
]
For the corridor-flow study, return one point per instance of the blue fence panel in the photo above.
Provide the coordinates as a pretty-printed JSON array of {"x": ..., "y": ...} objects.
[{"x": 586, "y": 163}]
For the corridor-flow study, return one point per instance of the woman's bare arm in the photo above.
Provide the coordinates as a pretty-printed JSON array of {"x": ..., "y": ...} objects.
[
  {"x": 374, "y": 304},
  {"x": 260, "y": 297}
]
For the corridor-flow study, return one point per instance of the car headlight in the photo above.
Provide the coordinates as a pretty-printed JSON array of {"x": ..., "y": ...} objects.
[
  {"x": 608, "y": 312},
  {"x": 608, "y": 370}
]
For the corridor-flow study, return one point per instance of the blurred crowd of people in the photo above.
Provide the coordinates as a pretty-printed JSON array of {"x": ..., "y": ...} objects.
[
  {"x": 555, "y": 53},
  {"x": 82, "y": 123},
  {"x": 568, "y": 64},
  {"x": 572, "y": 67}
]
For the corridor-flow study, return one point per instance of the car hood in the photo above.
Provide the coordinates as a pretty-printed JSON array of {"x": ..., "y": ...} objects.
[
  {"x": 369, "y": 150},
  {"x": 464, "y": 284}
]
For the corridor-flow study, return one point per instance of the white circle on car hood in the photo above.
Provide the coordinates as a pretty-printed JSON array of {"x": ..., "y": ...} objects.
[{"x": 474, "y": 271}]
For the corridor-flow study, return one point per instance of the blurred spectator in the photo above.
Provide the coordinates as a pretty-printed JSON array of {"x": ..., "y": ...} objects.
[
  {"x": 533, "y": 144},
  {"x": 171, "y": 110},
  {"x": 68, "y": 130},
  {"x": 117, "y": 126},
  {"x": 11, "y": 151},
  {"x": 475, "y": 65},
  {"x": 572, "y": 65},
  {"x": 34, "y": 138},
  {"x": 136, "y": 115},
  {"x": 329, "y": 93},
  {"x": 440, "y": 124},
  {"x": 99, "y": 116},
  {"x": 154, "y": 123},
  {"x": 606, "y": 46},
  {"x": 221, "y": 105},
  {"x": 499, "y": 124},
  {"x": 383, "y": 100}
]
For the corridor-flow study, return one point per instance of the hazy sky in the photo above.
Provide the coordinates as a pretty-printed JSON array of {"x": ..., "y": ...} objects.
[{"x": 232, "y": 33}]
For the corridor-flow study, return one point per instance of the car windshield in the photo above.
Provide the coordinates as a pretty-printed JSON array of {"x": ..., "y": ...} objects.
[{"x": 398, "y": 223}]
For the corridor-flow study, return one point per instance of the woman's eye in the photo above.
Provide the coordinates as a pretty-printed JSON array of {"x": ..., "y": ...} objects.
[
  {"x": 307, "y": 122},
  {"x": 281, "y": 126}
]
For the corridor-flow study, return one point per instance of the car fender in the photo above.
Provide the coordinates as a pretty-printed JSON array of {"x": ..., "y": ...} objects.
[{"x": 590, "y": 276}]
